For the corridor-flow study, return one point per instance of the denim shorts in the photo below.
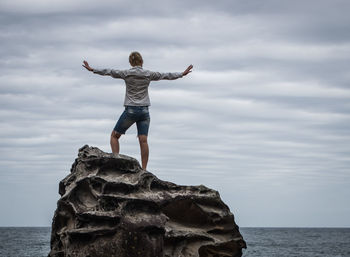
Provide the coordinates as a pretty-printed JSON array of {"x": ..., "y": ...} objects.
[{"x": 132, "y": 114}]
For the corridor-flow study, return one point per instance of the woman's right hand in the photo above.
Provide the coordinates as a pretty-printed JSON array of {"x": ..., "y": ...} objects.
[
  {"x": 188, "y": 70},
  {"x": 87, "y": 66}
]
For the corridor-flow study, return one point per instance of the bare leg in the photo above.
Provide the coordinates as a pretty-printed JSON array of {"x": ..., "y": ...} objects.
[
  {"x": 144, "y": 150},
  {"x": 115, "y": 142}
]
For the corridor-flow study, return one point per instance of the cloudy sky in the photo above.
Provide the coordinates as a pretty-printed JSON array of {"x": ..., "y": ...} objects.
[{"x": 264, "y": 118}]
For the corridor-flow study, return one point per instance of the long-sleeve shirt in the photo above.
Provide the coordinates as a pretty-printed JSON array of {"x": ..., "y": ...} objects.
[{"x": 137, "y": 81}]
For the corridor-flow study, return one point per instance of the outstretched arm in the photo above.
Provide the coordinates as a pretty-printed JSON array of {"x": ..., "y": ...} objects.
[
  {"x": 105, "y": 72},
  {"x": 170, "y": 75}
]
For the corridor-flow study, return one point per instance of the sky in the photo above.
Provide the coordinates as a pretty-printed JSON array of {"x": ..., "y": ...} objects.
[{"x": 264, "y": 118}]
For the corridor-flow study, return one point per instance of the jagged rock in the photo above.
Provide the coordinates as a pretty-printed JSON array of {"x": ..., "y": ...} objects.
[{"x": 110, "y": 207}]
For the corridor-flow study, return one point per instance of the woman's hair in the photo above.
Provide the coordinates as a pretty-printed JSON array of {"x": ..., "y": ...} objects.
[{"x": 135, "y": 59}]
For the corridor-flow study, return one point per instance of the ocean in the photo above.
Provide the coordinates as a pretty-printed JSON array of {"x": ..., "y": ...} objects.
[{"x": 261, "y": 242}]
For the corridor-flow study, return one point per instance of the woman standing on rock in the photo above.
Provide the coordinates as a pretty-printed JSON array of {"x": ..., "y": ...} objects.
[{"x": 136, "y": 100}]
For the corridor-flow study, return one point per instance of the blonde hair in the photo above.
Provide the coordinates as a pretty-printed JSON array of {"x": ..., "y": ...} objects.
[{"x": 135, "y": 59}]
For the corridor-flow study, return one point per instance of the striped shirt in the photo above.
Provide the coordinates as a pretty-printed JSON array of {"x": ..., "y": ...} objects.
[{"x": 137, "y": 81}]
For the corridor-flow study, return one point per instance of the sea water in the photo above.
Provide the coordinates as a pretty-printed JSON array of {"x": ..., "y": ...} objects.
[
  {"x": 261, "y": 242},
  {"x": 24, "y": 242},
  {"x": 297, "y": 242}
]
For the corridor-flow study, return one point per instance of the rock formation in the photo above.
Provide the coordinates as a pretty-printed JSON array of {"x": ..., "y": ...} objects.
[{"x": 110, "y": 207}]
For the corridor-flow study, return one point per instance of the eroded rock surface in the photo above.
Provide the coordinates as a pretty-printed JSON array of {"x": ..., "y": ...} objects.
[{"x": 110, "y": 207}]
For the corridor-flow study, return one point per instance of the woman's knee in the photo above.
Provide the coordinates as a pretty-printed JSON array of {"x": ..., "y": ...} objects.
[
  {"x": 115, "y": 134},
  {"x": 143, "y": 139}
]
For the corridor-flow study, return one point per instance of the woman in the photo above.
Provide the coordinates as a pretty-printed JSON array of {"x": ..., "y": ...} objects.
[{"x": 136, "y": 100}]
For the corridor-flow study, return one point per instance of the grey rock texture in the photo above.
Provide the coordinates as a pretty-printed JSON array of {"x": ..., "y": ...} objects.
[{"x": 110, "y": 207}]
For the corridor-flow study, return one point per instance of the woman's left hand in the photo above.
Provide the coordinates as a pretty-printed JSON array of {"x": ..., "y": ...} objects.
[{"x": 86, "y": 66}]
